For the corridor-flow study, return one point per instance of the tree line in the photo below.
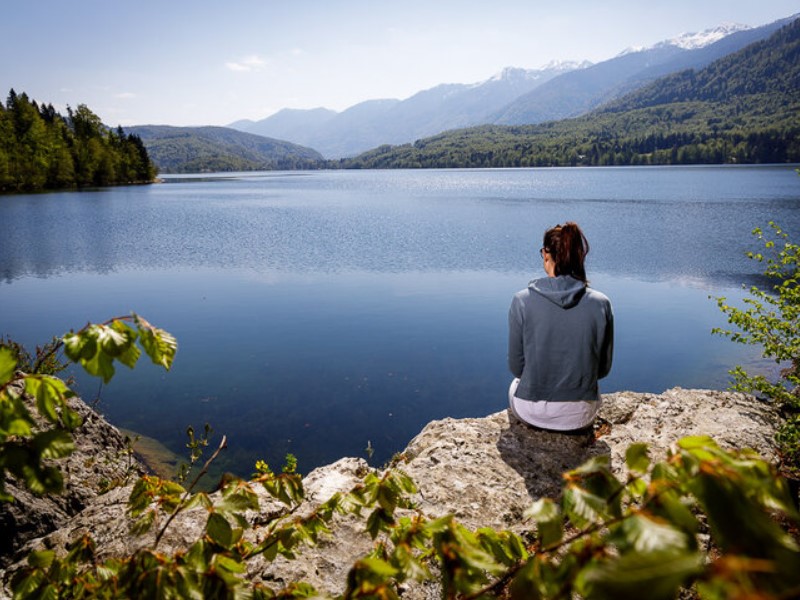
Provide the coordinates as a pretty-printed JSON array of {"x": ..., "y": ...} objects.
[{"x": 40, "y": 149}]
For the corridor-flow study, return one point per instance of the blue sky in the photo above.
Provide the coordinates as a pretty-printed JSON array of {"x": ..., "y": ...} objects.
[{"x": 206, "y": 62}]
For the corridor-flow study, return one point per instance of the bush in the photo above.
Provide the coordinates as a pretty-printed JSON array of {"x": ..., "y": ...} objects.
[{"x": 769, "y": 319}]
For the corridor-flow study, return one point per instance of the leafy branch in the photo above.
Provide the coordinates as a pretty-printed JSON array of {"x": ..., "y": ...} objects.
[
  {"x": 25, "y": 445},
  {"x": 770, "y": 318}
]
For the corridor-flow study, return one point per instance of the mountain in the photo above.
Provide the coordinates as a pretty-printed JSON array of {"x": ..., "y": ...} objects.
[
  {"x": 578, "y": 92},
  {"x": 743, "y": 107},
  {"x": 513, "y": 97},
  {"x": 769, "y": 70},
  {"x": 431, "y": 111},
  {"x": 207, "y": 149},
  {"x": 290, "y": 123}
]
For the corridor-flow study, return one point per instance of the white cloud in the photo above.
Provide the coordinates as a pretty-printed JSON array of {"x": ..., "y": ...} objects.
[
  {"x": 236, "y": 66},
  {"x": 247, "y": 63},
  {"x": 125, "y": 95}
]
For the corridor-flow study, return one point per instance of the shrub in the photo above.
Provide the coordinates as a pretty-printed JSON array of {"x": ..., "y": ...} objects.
[{"x": 769, "y": 318}]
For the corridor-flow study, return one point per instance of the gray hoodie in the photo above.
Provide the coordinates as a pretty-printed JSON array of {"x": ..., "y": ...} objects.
[{"x": 560, "y": 340}]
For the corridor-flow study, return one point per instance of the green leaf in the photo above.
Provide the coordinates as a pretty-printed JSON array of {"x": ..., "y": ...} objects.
[
  {"x": 8, "y": 364},
  {"x": 129, "y": 353},
  {"x": 548, "y": 519},
  {"x": 647, "y": 535},
  {"x": 637, "y": 487},
  {"x": 42, "y": 480},
  {"x": 670, "y": 507},
  {"x": 596, "y": 464},
  {"x": 70, "y": 418},
  {"x": 584, "y": 508},
  {"x": 49, "y": 392},
  {"x": 637, "y": 458},
  {"x": 378, "y": 520},
  {"x": 19, "y": 427},
  {"x": 54, "y": 443},
  {"x": 229, "y": 564},
  {"x": 100, "y": 365},
  {"x": 159, "y": 345},
  {"x": 41, "y": 559},
  {"x": 113, "y": 341},
  {"x": 219, "y": 530},
  {"x": 379, "y": 567},
  {"x": 82, "y": 345},
  {"x": 144, "y": 523},
  {"x": 660, "y": 573},
  {"x": 524, "y": 585},
  {"x": 694, "y": 442}
]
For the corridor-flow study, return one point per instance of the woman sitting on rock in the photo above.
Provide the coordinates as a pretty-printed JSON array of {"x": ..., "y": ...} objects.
[{"x": 561, "y": 337}]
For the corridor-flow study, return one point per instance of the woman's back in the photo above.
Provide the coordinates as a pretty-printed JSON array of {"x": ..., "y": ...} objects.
[{"x": 561, "y": 338}]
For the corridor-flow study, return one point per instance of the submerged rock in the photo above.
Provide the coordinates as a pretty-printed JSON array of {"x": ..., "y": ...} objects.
[{"x": 486, "y": 471}]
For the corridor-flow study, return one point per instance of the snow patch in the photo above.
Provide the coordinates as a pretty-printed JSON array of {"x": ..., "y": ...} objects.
[{"x": 692, "y": 41}]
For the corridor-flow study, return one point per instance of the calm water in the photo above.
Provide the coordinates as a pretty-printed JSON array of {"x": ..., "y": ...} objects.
[{"x": 320, "y": 311}]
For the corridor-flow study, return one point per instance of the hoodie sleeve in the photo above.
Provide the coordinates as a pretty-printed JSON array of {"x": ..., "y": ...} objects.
[
  {"x": 516, "y": 356},
  {"x": 607, "y": 349}
]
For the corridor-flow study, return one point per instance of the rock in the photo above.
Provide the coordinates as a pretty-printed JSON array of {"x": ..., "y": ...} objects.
[
  {"x": 486, "y": 471},
  {"x": 102, "y": 460}
]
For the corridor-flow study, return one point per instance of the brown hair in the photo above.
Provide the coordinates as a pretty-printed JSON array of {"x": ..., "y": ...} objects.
[{"x": 568, "y": 247}]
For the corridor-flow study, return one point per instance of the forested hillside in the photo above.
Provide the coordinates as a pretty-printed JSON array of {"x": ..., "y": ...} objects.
[
  {"x": 744, "y": 108},
  {"x": 40, "y": 149},
  {"x": 209, "y": 149}
]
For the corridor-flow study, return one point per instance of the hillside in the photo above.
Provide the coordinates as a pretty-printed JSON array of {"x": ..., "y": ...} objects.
[
  {"x": 208, "y": 149},
  {"x": 743, "y": 108}
]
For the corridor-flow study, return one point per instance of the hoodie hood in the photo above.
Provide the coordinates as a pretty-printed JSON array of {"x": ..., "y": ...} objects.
[{"x": 564, "y": 291}]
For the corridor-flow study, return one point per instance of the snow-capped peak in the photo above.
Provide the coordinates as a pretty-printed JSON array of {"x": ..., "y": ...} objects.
[
  {"x": 514, "y": 73},
  {"x": 519, "y": 74},
  {"x": 693, "y": 41},
  {"x": 566, "y": 65}
]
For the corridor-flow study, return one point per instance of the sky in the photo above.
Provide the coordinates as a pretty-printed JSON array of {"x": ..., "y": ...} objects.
[{"x": 212, "y": 62}]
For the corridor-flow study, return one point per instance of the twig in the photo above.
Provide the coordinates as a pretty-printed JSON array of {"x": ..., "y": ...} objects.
[{"x": 222, "y": 445}]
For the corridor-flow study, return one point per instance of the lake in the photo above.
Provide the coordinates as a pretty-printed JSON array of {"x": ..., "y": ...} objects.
[{"x": 319, "y": 312}]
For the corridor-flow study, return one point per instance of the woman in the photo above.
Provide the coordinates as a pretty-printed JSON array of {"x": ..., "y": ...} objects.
[{"x": 561, "y": 336}]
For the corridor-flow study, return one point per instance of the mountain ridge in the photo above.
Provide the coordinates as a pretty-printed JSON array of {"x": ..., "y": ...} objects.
[
  {"x": 426, "y": 112},
  {"x": 514, "y": 96},
  {"x": 741, "y": 108}
]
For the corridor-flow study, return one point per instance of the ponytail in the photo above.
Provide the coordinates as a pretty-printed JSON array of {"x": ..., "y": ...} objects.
[{"x": 568, "y": 248}]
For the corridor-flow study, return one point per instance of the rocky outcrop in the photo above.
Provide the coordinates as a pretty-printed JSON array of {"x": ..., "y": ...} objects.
[
  {"x": 102, "y": 459},
  {"x": 486, "y": 471}
]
